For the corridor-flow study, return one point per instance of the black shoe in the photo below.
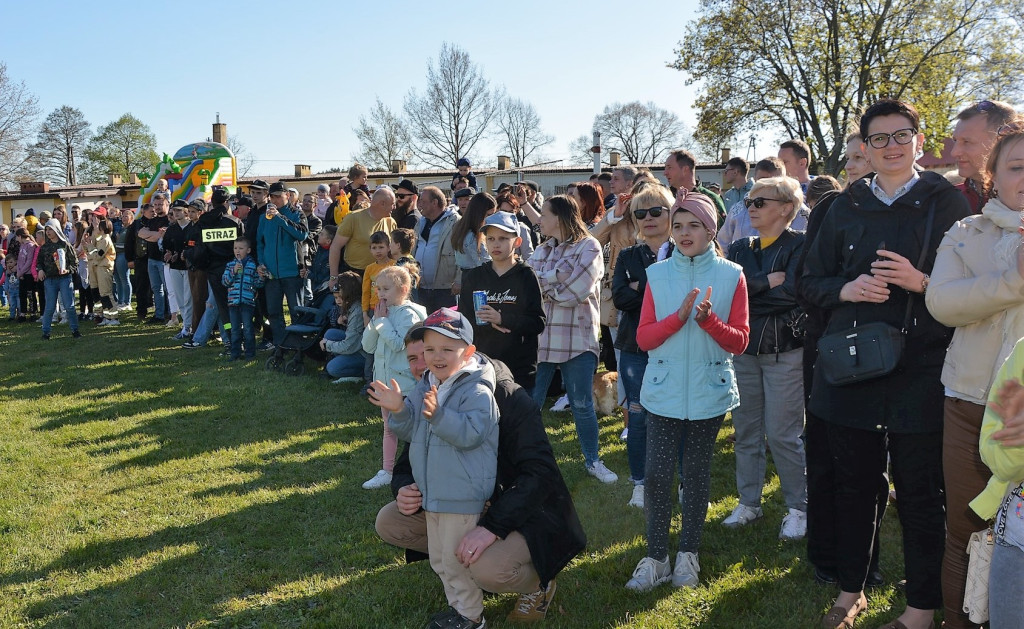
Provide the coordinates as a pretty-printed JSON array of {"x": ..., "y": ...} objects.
[
  {"x": 443, "y": 619},
  {"x": 191, "y": 345},
  {"x": 76, "y": 334},
  {"x": 155, "y": 321},
  {"x": 875, "y": 579},
  {"x": 825, "y": 577},
  {"x": 461, "y": 622},
  {"x": 46, "y": 336},
  {"x": 22, "y": 319},
  {"x": 265, "y": 346}
]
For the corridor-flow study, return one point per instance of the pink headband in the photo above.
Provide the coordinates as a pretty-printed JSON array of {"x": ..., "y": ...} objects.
[{"x": 700, "y": 206}]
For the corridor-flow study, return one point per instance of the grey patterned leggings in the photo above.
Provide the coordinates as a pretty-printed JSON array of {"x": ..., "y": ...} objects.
[{"x": 664, "y": 435}]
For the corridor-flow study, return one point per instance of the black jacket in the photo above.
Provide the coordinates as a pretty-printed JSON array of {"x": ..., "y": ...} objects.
[
  {"x": 630, "y": 267},
  {"x": 774, "y": 313},
  {"x": 134, "y": 247},
  {"x": 153, "y": 224},
  {"x": 174, "y": 243},
  {"x": 531, "y": 496},
  {"x": 516, "y": 294},
  {"x": 215, "y": 246},
  {"x": 910, "y": 399},
  {"x": 817, "y": 318}
]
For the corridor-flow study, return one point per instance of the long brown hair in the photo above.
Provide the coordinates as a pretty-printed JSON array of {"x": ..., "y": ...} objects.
[
  {"x": 479, "y": 207},
  {"x": 591, "y": 202},
  {"x": 567, "y": 211}
]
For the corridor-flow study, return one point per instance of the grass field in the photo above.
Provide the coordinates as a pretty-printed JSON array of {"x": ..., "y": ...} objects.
[{"x": 143, "y": 485}]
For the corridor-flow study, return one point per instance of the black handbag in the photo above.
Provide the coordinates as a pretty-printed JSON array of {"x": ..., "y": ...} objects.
[{"x": 872, "y": 350}]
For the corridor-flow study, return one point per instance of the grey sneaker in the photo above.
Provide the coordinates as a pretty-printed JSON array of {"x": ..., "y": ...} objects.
[
  {"x": 637, "y": 499},
  {"x": 741, "y": 516},
  {"x": 649, "y": 573},
  {"x": 685, "y": 574}
]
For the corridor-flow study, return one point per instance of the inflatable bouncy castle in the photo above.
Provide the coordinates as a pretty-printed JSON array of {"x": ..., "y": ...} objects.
[{"x": 192, "y": 172}]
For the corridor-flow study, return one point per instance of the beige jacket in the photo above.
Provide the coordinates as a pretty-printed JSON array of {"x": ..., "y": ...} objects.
[
  {"x": 617, "y": 237},
  {"x": 976, "y": 288}
]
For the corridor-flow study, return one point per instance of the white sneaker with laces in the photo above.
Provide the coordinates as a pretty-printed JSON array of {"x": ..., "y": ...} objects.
[
  {"x": 602, "y": 473},
  {"x": 741, "y": 516},
  {"x": 649, "y": 573},
  {"x": 625, "y": 434},
  {"x": 794, "y": 525},
  {"x": 562, "y": 404},
  {"x": 638, "y": 497},
  {"x": 380, "y": 479},
  {"x": 685, "y": 574}
]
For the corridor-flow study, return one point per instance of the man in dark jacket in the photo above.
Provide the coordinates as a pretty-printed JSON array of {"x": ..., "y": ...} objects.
[
  {"x": 531, "y": 523},
  {"x": 137, "y": 257},
  {"x": 217, "y": 233}
]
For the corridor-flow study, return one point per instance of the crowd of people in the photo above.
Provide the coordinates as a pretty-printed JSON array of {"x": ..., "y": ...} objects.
[{"x": 456, "y": 309}]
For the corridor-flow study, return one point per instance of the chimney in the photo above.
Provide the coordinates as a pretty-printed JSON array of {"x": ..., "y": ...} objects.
[
  {"x": 34, "y": 187},
  {"x": 613, "y": 158},
  {"x": 114, "y": 179},
  {"x": 302, "y": 170},
  {"x": 726, "y": 153},
  {"x": 220, "y": 131},
  {"x": 504, "y": 162},
  {"x": 398, "y": 165},
  {"x": 135, "y": 179}
]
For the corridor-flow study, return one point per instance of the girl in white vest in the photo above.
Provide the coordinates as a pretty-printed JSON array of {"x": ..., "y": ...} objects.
[{"x": 689, "y": 384}]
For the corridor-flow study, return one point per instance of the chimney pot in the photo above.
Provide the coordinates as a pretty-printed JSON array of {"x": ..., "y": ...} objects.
[
  {"x": 613, "y": 158},
  {"x": 726, "y": 154},
  {"x": 302, "y": 170},
  {"x": 504, "y": 162},
  {"x": 398, "y": 165}
]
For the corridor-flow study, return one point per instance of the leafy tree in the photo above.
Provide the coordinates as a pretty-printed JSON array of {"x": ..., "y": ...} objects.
[
  {"x": 519, "y": 129},
  {"x": 383, "y": 137},
  {"x": 60, "y": 145},
  {"x": 125, "y": 146},
  {"x": 18, "y": 111},
  {"x": 811, "y": 66},
  {"x": 453, "y": 114},
  {"x": 643, "y": 132}
]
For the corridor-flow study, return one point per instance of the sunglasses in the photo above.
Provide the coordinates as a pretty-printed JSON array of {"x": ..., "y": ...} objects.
[
  {"x": 757, "y": 202},
  {"x": 403, "y": 196},
  {"x": 654, "y": 211},
  {"x": 901, "y": 136}
]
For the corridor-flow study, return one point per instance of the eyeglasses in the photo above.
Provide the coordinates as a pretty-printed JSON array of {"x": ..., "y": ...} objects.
[
  {"x": 901, "y": 136},
  {"x": 403, "y": 196},
  {"x": 654, "y": 211},
  {"x": 1014, "y": 127},
  {"x": 758, "y": 202}
]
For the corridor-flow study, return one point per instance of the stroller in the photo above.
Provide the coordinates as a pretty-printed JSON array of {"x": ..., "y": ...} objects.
[{"x": 301, "y": 337}]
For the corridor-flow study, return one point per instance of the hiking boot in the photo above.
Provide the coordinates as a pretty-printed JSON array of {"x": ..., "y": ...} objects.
[
  {"x": 637, "y": 500},
  {"x": 533, "y": 607},
  {"x": 602, "y": 473},
  {"x": 685, "y": 574},
  {"x": 741, "y": 516},
  {"x": 649, "y": 574},
  {"x": 794, "y": 525}
]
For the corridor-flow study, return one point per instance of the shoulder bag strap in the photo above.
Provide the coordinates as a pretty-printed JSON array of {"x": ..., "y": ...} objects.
[{"x": 929, "y": 223}]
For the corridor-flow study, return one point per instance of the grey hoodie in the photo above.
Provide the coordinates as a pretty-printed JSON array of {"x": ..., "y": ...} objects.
[{"x": 454, "y": 454}]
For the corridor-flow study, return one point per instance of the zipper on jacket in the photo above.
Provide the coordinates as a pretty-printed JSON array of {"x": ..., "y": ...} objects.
[{"x": 689, "y": 341}]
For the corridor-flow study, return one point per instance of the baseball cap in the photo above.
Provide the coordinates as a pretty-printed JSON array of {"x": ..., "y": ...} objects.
[
  {"x": 505, "y": 221},
  {"x": 447, "y": 322}
]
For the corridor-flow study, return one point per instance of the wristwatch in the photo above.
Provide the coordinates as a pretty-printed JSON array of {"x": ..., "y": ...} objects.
[{"x": 924, "y": 283}]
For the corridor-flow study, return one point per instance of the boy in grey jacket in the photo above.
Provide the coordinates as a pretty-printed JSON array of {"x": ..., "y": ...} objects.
[{"x": 451, "y": 423}]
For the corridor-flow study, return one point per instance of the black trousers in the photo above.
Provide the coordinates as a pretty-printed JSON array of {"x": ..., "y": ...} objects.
[
  {"x": 141, "y": 287},
  {"x": 860, "y": 458}
]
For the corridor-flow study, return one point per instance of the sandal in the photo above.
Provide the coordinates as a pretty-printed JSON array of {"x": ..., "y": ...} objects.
[
  {"x": 896, "y": 624},
  {"x": 841, "y": 618}
]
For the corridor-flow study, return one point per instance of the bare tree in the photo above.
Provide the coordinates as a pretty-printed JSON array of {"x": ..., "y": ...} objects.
[
  {"x": 519, "y": 129},
  {"x": 383, "y": 137},
  {"x": 244, "y": 159},
  {"x": 642, "y": 132},
  {"x": 60, "y": 145},
  {"x": 580, "y": 150},
  {"x": 453, "y": 114},
  {"x": 18, "y": 111}
]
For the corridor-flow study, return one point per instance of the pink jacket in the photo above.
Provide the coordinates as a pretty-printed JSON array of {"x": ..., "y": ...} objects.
[{"x": 27, "y": 258}]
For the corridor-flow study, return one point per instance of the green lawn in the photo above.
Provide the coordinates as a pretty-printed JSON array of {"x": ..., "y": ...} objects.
[{"x": 143, "y": 485}]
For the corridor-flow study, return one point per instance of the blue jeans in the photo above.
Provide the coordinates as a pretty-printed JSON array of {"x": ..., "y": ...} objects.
[
  {"x": 242, "y": 317},
  {"x": 156, "y": 282},
  {"x": 289, "y": 288},
  {"x": 632, "y": 366},
  {"x": 63, "y": 287},
  {"x": 13, "y": 297},
  {"x": 122, "y": 284},
  {"x": 1005, "y": 583},
  {"x": 578, "y": 378},
  {"x": 344, "y": 365},
  {"x": 209, "y": 319}
]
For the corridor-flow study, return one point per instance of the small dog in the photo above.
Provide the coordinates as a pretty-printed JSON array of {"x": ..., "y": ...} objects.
[{"x": 606, "y": 392}]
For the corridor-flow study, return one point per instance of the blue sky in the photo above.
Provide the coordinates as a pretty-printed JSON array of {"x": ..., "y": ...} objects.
[{"x": 291, "y": 79}]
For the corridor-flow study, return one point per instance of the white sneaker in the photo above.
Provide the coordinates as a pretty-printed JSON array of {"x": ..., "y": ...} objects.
[
  {"x": 602, "y": 473},
  {"x": 624, "y": 435},
  {"x": 348, "y": 380},
  {"x": 172, "y": 322},
  {"x": 561, "y": 405},
  {"x": 685, "y": 574},
  {"x": 649, "y": 574},
  {"x": 380, "y": 479},
  {"x": 638, "y": 497},
  {"x": 741, "y": 516},
  {"x": 110, "y": 322},
  {"x": 794, "y": 525}
]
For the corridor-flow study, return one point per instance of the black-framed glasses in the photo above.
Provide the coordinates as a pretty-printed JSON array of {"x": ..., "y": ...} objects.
[
  {"x": 758, "y": 202},
  {"x": 399, "y": 195},
  {"x": 901, "y": 136},
  {"x": 655, "y": 212}
]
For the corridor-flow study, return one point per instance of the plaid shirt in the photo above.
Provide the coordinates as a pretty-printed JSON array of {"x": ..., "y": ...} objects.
[{"x": 570, "y": 276}]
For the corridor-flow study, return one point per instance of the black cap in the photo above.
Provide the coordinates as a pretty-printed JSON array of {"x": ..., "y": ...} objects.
[
  {"x": 182, "y": 203},
  {"x": 532, "y": 184},
  {"x": 277, "y": 186},
  {"x": 198, "y": 204},
  {"x": 502, "y": 188},
  {"x": 464, "y": 192},
  {"x": 259, "y": 184},
  {"x": 407, "y": 185},
  {"x": 245, "y": 200},
  {"x": 220, "y": 196}
]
